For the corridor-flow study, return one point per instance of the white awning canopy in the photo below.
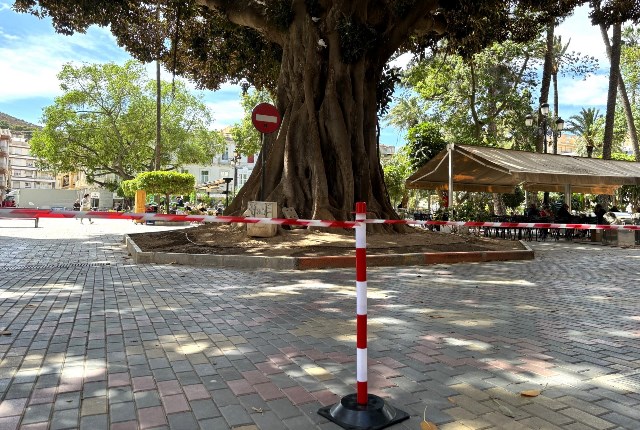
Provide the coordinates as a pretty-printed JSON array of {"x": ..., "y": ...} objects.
[{"x": 478, "y": 168}]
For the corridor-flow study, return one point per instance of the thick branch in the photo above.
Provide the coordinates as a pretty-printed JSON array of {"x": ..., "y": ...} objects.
[
  {"x": 246, "y": 13},
  {"x": 421, "y": 20}
]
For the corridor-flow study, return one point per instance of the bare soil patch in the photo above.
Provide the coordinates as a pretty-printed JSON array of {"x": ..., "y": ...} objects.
[{"x": 231, "y": 239}]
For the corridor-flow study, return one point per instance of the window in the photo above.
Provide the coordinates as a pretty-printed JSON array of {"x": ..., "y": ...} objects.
[
  {"x": 224, "y": 174},
  {"x": 225, "y": 155},
  {"x": 204, "y": 176}
]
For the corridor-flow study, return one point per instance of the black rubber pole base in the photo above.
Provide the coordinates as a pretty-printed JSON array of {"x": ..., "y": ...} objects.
[{"x": 375, "y": 415}]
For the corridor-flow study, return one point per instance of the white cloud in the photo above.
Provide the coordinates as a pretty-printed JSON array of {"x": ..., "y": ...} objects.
[
  {"x": 32, "y": 63},
  {"x": 585, "y": 38},
  {"x": 226, "y": 112},
  {"x": 585, "y": 93}
]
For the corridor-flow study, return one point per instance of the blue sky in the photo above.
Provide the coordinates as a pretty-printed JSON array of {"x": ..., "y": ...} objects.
[{"x": 32, "y": 54}]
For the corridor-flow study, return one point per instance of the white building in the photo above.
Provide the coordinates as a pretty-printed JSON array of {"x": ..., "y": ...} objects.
[
  {"x": 223, "y": 166},
  {"x": 23, "y": 172}
]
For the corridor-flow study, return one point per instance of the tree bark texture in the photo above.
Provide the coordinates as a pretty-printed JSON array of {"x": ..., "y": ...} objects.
[{"x": 626, "y": 104}]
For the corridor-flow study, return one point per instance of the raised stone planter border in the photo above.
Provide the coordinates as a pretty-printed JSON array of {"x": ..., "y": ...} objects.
[{"x": 310, "y": 263}]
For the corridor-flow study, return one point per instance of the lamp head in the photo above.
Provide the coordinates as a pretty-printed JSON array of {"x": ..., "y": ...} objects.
[
  {"x": 559, "y": 124},
  {"x": 544, "y": 109},
  {"x": 528, "y": 120}
]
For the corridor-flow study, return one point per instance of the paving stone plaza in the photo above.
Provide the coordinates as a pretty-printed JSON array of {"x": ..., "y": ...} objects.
[{"x": 89, "y": 340}]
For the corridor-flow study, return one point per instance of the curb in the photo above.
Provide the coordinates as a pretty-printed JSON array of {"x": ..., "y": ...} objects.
[{"x": 333, "y": 262}]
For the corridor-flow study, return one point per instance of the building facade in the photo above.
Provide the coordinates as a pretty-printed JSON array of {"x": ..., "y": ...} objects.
[
  {"x": 226, "y": 165},
  {"x": 23, "y": 171}
]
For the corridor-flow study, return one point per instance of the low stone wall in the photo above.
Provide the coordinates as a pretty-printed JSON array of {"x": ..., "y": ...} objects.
[{"x": 310, "y": 263}]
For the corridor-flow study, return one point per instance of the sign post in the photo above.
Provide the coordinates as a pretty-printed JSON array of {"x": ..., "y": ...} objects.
[{"x": 266, "y": 119}]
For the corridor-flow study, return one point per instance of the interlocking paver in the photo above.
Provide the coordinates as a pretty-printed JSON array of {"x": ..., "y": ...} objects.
[{"x": 169, "y": 347}]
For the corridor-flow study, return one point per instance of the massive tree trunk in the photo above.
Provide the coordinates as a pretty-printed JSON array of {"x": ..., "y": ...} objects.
[
  {"x": 324, "y": 157},
  {"x": 614, "y": 73}
]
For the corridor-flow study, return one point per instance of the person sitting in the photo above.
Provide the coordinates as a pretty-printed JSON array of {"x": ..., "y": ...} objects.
[
  {"x": 533, "y": 211},
  {"x": 599, "y": 212},
  {"x": 563, "y": 214},
  {"x": 545, "y": 212}
]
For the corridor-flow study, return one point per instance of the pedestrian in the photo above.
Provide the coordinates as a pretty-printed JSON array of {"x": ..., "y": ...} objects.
[
  {"x": 599, "y": 212},
  {"x": 85, "y": 205}
]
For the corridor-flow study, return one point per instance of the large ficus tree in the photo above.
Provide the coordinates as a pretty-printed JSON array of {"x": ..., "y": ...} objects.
[{"x": 324, "y": 62}]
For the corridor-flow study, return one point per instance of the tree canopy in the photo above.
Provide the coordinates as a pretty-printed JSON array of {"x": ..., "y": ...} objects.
[
  {"x": 324, "y": 61},
  {"x": 104, "y": 123}
]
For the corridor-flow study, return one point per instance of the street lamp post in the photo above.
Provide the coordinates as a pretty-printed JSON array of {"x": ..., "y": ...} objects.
[
  {"x": 543, "y": 124},
  {"x": 545, "y": 129},
  {"x": 226, "y": 192},
  {"x": 236, "y": 158}
]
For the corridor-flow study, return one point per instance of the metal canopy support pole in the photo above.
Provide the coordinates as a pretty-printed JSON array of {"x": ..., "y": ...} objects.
[
  {"x": 567, "y": 195},
  {"x": 450, "y": 155}
]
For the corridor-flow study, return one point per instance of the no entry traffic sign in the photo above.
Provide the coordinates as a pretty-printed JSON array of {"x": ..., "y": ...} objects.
[{"x": 266, "y": 118}]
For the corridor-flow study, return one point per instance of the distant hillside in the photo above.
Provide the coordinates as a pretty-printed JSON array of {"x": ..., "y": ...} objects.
[{"x": 15, "y": 124}]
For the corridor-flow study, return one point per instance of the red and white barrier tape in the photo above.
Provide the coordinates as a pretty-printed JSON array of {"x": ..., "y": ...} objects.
[{"x": 49, "y": 213}]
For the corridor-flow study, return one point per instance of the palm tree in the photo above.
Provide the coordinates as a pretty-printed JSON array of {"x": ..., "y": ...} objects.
[{"x": 586, "y": 127}]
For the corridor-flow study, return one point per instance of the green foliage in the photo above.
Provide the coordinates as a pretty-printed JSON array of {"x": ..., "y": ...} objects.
[
  {"x": 386, "y": 87},
  {"x": 588, "y": 126},
  {"x": 473, "y": 207},
  {"x": 128, "y": 188},
  {"x": 355, "y": 39},
  {"x": 161, "y": 182},
  {"x": 397, "y": 169},
  {"x": 620, "y": 156},
  {"x": 478, "y": 100},
  {"x": 244, "y": 134},
  {"x": 513, "y": 201},
  {"x": 104, "y": 123},
  {"x": 279, "y": 12},
  {"x": 425, "y": 141}
]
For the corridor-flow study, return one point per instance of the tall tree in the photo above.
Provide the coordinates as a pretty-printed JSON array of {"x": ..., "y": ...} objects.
[
  {"x": 613, "y": 13},
  {"x": 567, "y": 63},
  {"x": 323, "y": 60},
  {"x": 104, "y": 123},
  {"x": 476, "y": 100},
  {"x": 587, "y": 126},
  {"x": 614, "y": 77},
  {"x": 624, "y": 97}
]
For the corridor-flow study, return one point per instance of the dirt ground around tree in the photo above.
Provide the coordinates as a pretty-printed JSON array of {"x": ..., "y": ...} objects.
[{"x": 231, "y": 239}]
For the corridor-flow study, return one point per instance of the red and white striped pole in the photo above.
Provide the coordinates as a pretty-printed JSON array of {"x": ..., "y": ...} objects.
[
  {"x": 361, "y": 303},
  {"x": 362, "y": 411}
]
